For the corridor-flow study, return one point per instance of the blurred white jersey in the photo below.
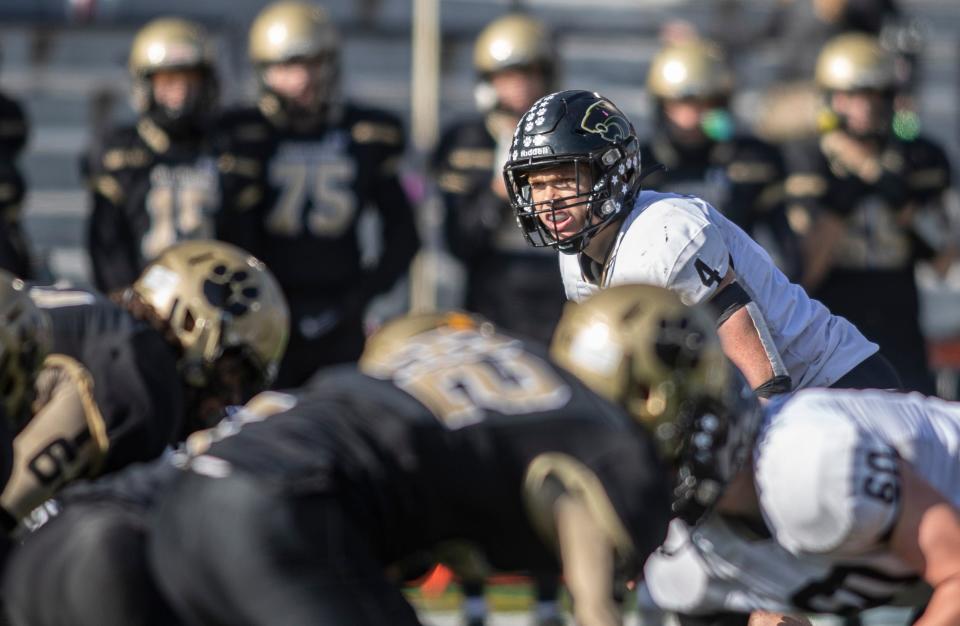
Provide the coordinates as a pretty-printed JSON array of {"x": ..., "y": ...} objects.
[
  {"x": 684, "y": 244},
  {"x": 829, "y": 490}
]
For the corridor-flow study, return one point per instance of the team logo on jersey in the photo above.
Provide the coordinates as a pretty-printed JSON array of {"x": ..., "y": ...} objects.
[
  {"x": 232, "y": 291},
  {"x": 602, "y": 118}
]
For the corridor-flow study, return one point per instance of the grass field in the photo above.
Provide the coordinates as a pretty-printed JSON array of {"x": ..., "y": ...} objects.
[{"x": 510, "y": 603}]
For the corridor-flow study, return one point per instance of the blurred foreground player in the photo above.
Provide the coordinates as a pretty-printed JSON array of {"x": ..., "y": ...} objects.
[
  {"x": 849, "y": 501},
  {"x": 304, "y": 163},
  {"x": 203, "y": 328},
  {"x": 451, "y": 438}
]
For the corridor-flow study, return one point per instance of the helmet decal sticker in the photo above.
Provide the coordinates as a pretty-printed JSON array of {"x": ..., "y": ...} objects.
[
  {"x": 603, "y": 119},
  {"x": 232, "y": 291}
]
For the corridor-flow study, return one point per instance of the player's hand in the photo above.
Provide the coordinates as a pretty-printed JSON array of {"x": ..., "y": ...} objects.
[
  {"x": 855, "y": 156},
  {"x": 763, "y": 618}
]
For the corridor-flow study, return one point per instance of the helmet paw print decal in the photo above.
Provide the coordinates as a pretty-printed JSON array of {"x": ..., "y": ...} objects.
[
  {"x": 678, "y": 343},
  {"x": 233, "y": 291}
]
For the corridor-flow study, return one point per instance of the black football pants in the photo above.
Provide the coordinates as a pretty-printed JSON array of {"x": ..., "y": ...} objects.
[
  {"x": 234, "y": 551},
  {"x": 86, "y": 567}
]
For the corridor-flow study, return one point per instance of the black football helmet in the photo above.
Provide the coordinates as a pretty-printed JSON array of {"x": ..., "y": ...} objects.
[
  {"x": 716, "y": 437},
  {"x": 586, "y": 130}
]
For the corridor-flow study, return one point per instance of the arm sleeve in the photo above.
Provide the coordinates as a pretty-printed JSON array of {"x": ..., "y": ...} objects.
[
  {"x": 472, "y": 211},
  {"x": 110, "y": 240},
  {"x": 65, "y": 439},
  {"x": 826, "y": 486},
  {"x": 14, "y": 127},
  {"x": 811, "y": 186},
  {"x": 757, "y": 204},
  {"x": 139, "y": 485},
  {"x": 756, "y": 175},
  {"x": 398, "y": 224},
  {"x": 623, "y": 485},
  {"x": 243, "y": 188},
  {"x": 139, "y": 394},
  {"x": 14, "y": 252},
  {"x": 931, "y": 230}
]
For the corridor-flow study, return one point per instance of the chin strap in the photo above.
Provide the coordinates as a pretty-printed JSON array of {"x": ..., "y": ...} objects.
[{"x": 651, "y": 169}]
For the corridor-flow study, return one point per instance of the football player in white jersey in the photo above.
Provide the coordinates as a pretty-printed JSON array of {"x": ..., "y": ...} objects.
[
  {"x": 574, "y": 181},
  {"x": 851, "y": 501}
]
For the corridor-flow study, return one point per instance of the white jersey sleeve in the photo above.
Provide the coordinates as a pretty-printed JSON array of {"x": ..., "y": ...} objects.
[
  {"x": 671, "y": 244},
  {"x": 826, "y": 486}
]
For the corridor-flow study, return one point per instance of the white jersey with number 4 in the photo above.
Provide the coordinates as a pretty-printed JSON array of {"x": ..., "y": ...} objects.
[
  {"x": 684, "y": 244},
  {"x": 828, "y": 484}
]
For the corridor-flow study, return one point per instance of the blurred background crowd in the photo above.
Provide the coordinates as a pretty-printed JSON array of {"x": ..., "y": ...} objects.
[{"x": 728, "y": 94}]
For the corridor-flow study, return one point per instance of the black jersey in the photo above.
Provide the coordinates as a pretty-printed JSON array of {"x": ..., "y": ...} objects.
[
  {"x": 13, "y": 126},
  {"x": 136, "y": 384},
  {"x": 432, "y": 447},
  {"x": 871, "y": 281},
  {"x": 742, "y": 178},
  {"x": 14, "y": 253},
  {"x": 516, "y": 286},
  {"x": 150, "y": 190},
  {"x": 307, "y": 190}
]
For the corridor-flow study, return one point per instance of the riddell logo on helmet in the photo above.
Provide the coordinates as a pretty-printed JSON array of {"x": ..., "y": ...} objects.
[
  {"x": 602, "y": 118},
  {"x": 538, "y": 151}
]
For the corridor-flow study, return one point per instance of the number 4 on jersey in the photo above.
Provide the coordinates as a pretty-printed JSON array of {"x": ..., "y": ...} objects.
[{"x": 707, "y": 275}]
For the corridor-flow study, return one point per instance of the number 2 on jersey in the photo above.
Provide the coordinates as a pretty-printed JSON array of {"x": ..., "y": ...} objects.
[{"x": 460, "y": 375}]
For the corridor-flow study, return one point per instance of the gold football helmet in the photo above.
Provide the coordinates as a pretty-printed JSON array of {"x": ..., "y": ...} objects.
[
  {"x": 514, "y": 40},
  {"x": 291, "y": 30},
  {"x": 25, "y": 340},
  {"x": 392, "y": 338},
  {"x": 171, "y": 43},
  {"x": 217, "y": 298},
  {"x": 692, "y": 69},
  {"x": 855, "y": 61},
  {"x": 642, "y": 348}
]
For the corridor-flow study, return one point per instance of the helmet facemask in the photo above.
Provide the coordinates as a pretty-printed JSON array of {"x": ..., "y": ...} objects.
[
  {"x": 716, "y": 442},
  {"x": 289, "y": 33},
  {"x": 322, "y": 87},
  {"x": 199, "y": 102},
  {"x": 183, "y": 50},
  {"x": 604, "y": 184},
  {"x": 881, "y": 103},
  {"x": 232, "y": 379}
]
